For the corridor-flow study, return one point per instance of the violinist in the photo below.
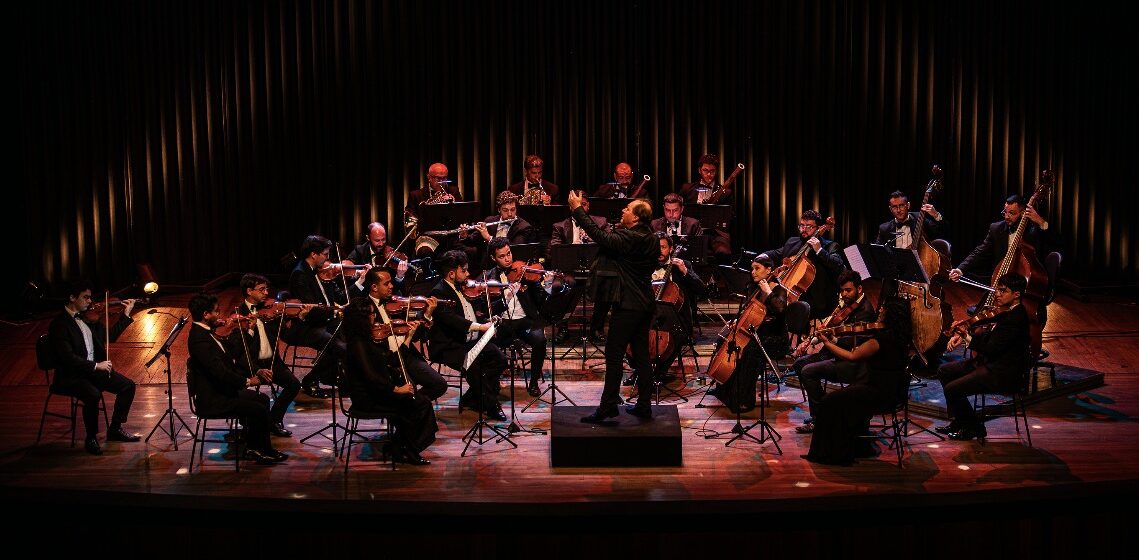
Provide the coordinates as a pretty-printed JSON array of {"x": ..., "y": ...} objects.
[
  {"x": 621, "y": 276},
  {"x": 437, "y": 190},
  {"x": 373, "y": 380},
  {"x": 380, "y": 291},
  {"x": 671, "y": 268},
  {"x": 812, "y": 368},
  {"x": 224, "y": 388},
  {"x": 84, "y": 370},
  {"x": 567, "y": 232},
  {"x": 375, "y": 251},
  {"x": 986, "y": 255},
  {"x": 772, "y": 333},
  {"x": 707, "y": 167},
  {"x": 455, "y": 331},
  {"x": 823, "y": 253},
  {"x": 316, "y": 330},
  {"x": 519, "y": 308},
  {"x": 532, "y": 189},
  {"x": 255, "y": 349},
  {"x": 999, "y": 363}
]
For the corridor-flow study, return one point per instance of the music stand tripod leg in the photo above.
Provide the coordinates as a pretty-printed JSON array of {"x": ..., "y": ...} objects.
[
  {"x": 765, "y": 430},
  {"x": 552, "y": 388},
  {"x": 516, "y": 426},
  {"x": 171, "y": 413},
  {"x": 475, "y": 433}
]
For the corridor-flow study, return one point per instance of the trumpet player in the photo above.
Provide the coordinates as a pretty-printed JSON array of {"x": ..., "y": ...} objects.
[
  {"x": 439, "y": 189},
  {"x": 532, "y": 189}
]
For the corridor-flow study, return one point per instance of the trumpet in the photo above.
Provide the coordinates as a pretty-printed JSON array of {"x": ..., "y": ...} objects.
[{"x": 466, "y": 227}]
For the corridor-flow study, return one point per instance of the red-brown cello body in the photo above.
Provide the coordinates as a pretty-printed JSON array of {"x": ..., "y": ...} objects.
[{"x": 724, "y": 361}]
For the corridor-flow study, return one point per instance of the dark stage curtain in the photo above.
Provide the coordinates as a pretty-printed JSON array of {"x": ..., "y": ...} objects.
[{"x": 210, "y": 137}]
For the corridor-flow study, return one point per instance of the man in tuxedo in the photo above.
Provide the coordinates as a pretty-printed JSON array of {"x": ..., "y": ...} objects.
[
  {"x": 823, "y": 253},
  {"x": 517, "y": 232},
  {"x": 375, "y": 251},
  {"x": 567, "y": 232},
  {"x": 83, "y": 369},
  {"x": 455, "y": 331},
  {"x": 999, "y": 363},
  {"x": 707, "y": 167},
  {"x": 900, "y": 230},
  {"x": 675, "y": 223},
  {"x": 318, "y": 328},
  {"x": 532, "y": 179},
  {"x": 620, "y": 276},
  {"x": 223, "y": 388},
  {"x": 437, "y": 184},
  {"x": 518, "y": 308},
  {"x": 256, "y": 349},
  {"x": 380, "y": 288},
  {"x": 622, "y": 185}
]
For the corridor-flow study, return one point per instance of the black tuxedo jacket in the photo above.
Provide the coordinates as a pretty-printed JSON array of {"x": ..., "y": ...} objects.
[
  {"x": 304, "y": 285},
  {"x": 986, "y": 256},
  {"x": 531, "y": 299},
  {"x": 68, "y": 349},
  {"x": 217, "y": 379},
  {"x": 930, "y": 230},
  {"x": 622, "y": 271},
  {"x": 689, "y": 194},
  {"x": 823, "y": 293},
  {"x": 551, "y": 189},
  {"x": 1005, "y": 349},
  {"x": 563, "y": 230},
  {"x": 447, "y": 339},
  {"x": 419, "y": 196},
  {"x": 688, "y": 226}
]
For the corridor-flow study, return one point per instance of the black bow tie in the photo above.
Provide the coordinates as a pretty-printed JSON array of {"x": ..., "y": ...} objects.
[{"x": 77, "y": 316}]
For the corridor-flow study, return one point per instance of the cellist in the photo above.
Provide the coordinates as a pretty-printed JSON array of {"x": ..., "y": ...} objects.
[{"x": 823, "y": 253}]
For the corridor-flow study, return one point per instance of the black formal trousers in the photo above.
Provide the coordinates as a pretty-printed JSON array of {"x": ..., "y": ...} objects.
[
  {"x": 284, "y": 379},
  {"x": 812, "y": 374},
  {"x": 431, "y": 384},
  {"x": 962, "y": 379},
  {"x": 483, "y": 377},
  {"x": 88, "y": 389},
  {"x": 253, "y": 410},
  {"x": 841, "y": 418},
  {"x": 627, "y": 327},
  {"x": 319, "y": 338},
  {"x": 526, "y": 330}
]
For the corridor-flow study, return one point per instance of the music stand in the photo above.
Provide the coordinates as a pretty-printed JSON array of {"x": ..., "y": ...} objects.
[
  {"x": 335, "y": 423},
  {"x": 766, "y": 432},
  {"x": 543, "y": 218},
  {"x": 665, "y": 318},
  {"x": 711, "y": 216},
  {"x": 526, "y": 252},
  {"x": 171, "y": 413},
  {"x": 579, "y": 259},
  {"x": 887, "y": 263},
  {"x": 555, "y": 309},
  {"x": 609, "y": 208},
  {"x": 450, "y": 215}
]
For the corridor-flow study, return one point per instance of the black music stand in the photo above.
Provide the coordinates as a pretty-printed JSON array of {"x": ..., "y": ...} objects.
[
  {"x": 711, "y": 216},
  {"x": 766, "y": 432},
  {"x": 887, "y": 263},
  {"x": 579, "y": 259},
  {"x": 555, "y": 309},
  {"x": 526, "y": 252},
  {"x": 666, "y": 318},
  {"x": 335, "y": 423},
  {"x": 171, "y": 413},
  {"x": 543, "y": 218},
  {"x": 609, "y": 208},
  {"x": 450, "y": 215}
]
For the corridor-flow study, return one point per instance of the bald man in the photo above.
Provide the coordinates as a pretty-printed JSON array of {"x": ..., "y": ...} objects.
[
  {"x": 622, "y": 185},
  {"x": 437, "y": 182}
]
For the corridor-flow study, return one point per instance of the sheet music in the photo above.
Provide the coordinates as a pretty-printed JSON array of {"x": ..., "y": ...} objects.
[
  {"x": 483, "y": 340},
  {"x": 854, "y": 257}
]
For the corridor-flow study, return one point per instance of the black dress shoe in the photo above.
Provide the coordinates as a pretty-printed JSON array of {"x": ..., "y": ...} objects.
[
  {"x": 948, "y": 428},
  {"x": 315, "y": 392},
  {"x": 92, "y": 446},
  {"x": 278, "y": 429},
  {"x": 966, "y": 434},
  {"x": 597, "y": 336},
  {"x": 532, "y": 388},
  {"x": 278, "y": 455},
  {"x": 640, "y": 411},
  {"x": 805, "y": 429},
  {"x": 600, "y": 415},
  {"x": 630, "y": 381},
  {"x": 117, "y": 434},
  {"x": 411, "y": 457},
  {"x": 495, "y": 413},
  {"x": 261, "y": 457}
]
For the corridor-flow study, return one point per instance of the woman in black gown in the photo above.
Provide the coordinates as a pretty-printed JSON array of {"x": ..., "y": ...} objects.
[{"x": 844, "y": 415}]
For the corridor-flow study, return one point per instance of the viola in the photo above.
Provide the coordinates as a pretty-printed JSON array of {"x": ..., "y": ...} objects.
[
  {"x": 962, "y": 327},
  {"x": 95, "y": 311},
  {"x": 413, "y": 306},
  {"x": 330, "y": 270},
  {"x": 520, "y": 271}
]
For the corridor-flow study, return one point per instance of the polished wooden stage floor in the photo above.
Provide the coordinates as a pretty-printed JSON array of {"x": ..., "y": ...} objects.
[{"x": 1085, "y": 446}]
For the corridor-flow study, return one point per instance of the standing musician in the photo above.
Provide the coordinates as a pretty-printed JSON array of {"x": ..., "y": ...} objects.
[
  {"x": 222, "y": 387},
  {"x": 519, "y": 309},
  {"x": 438, "y": 190},
  {"x": 317, "y": 329},
  {"x": 83, "y": 369},
  {"x": 256, "y": 349},
  {"x": 622, "y": 185},
  {"x": 532, "y": 189},
  {"x": 376, "y": 252},
  {"x": 986, "y": 255},
  {"x": 899, "y": 232},
  {"x": 696, "y": 193},
  {"x": 1000, "y": 359},
  {"x": 621, "y": 276},
  {"x": 812, "y": 368},
  {"x": 675, "y": 223},
  {"x": 372, "y": 377},
  {"x": 455, "y": 331},
  {"x": 378, "y": 283},
  {"x": 823, "y": 253}
]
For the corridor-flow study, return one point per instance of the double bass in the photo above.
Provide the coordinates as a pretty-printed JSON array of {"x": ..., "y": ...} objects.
[
  {"x": 798, "y": 272},
  {"x": 1021, "y": 259},
  {"x": 935, "y": 263}
]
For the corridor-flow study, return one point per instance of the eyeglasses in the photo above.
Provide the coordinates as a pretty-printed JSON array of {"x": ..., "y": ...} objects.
[
  {"x": 807, "y": 226},
  {"x": 898, "y": 206}
]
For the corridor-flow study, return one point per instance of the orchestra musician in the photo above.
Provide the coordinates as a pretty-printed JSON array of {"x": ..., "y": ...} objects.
[
  {"x": 823, "y": 253},
  {"x": 318, "y": 328},
  {"x": 675, "y": 223},
  {"x": 899, "y": 231},
  {"x": 620, "y": 275},
  {"x": 223, "y": 388},
  {"x": 812, "y": 368},
  {"x": 622, "y": 185},
  {"x": 999, "y": 362},
  {"x": 437, "y": 190},
  {"x": 378, "y": 282},
  {"x": 373, "y": 379},
  {"x": 83, "y": 369},
  {"x": 707, "y": 167},
  {"x": 518, "y": 232},
  {"x": 567, "y": 232},
  {"x": 532, "y": 189},
  {"x": 375, "y": 251},
  {"x": 519, "y": 310},
  {"x": 256, "y": 349},
  {"x": 455, "y": 331}
]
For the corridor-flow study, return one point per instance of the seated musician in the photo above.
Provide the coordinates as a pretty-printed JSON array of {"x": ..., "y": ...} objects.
[
  {"x": 899, "y": 231},
  {"x": 373, "y": 380},
  {"x": 986, "y": 256},
  {"x": 999, "y": 363},
  {"x": 708, "y": 166},
  {"x": 83, "y": 369},
  {"x": 223, "y": 388},
  {"x": 622, "y": 185},
  {"x": 380, "y": 287},
  {"x": 376, "y": 252},
  {"x": 823, "y": 253},
  {"x": 675, "y": 223},
  {"x": 455, "y": 331},
  {"x": 256, "y": 349},
  {"x": 674, "y": 269},
  {"x": 843, "y": 415},
  {"x": 739, "y": 390},
  {"x": 519, "y": 310},
  {"x": 518, "y": 232},
  {"x": 532, "y": 189},
  {"x": 317, "y": 328},
  {"x": 437, "y": 190},
  {"x": 567, "y": 232},
  {"x": 814, "y": 367}
]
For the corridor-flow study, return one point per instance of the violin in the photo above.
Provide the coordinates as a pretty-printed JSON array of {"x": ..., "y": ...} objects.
[
  {"x": 96, "y": 310},
  {"x": 226, "y": 326},
  {"x": 853, "y": 328},
  {"x": 962, "y": 327},
  {"x": 329, "y": 270},
  {"x": 413, "y": 306},
  {"x": 478, "y": 289},
  {"x": 843, "y": 312},
  {"x": 398, "y": 327},
  {"x": 395, "y": 257}
]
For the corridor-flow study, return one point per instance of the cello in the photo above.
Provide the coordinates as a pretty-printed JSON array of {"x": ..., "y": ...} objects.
[
  {"x": 798, "y": 272},
  {"x": 723, "y": 363},
  {"x": 665, "y": 290},
  {"x": 1020, "y": 258}
]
